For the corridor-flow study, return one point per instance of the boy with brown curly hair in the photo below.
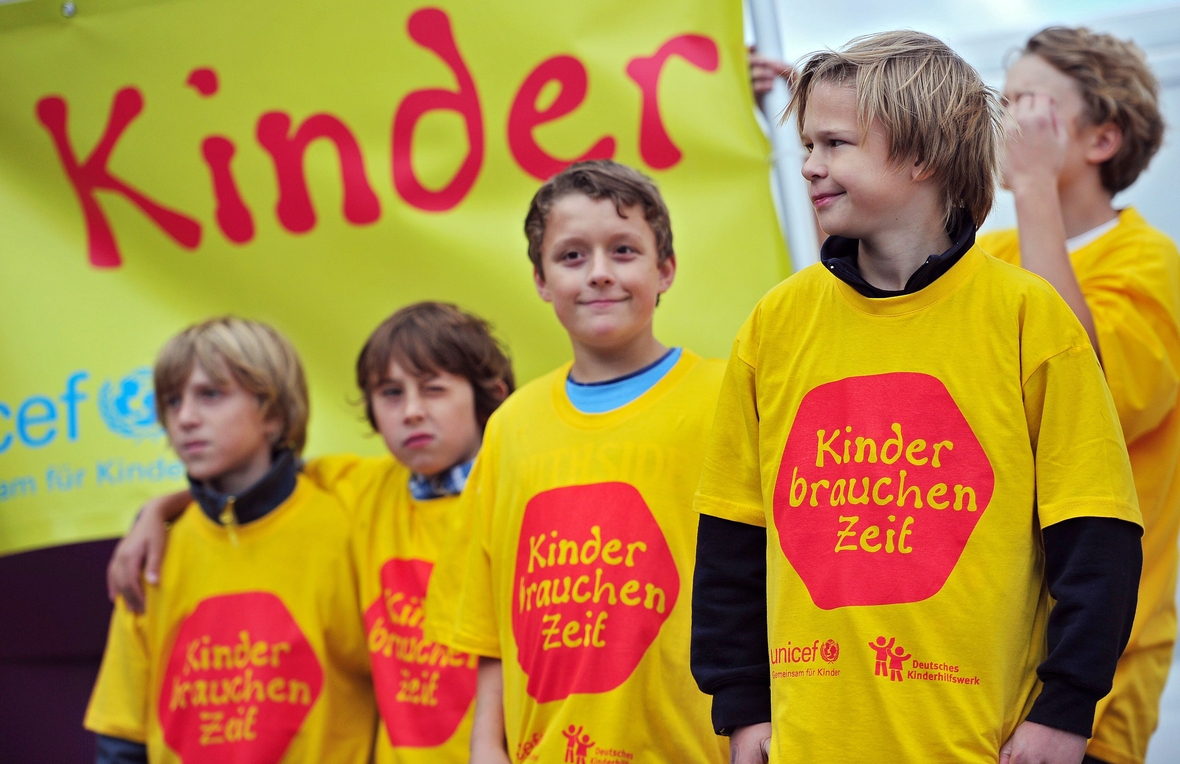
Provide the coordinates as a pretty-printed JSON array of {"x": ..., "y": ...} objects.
[{"x": 1086, "y": 123}]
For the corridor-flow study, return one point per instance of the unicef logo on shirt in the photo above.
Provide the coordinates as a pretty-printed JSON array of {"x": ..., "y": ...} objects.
[{"x": 129, "y": 406}]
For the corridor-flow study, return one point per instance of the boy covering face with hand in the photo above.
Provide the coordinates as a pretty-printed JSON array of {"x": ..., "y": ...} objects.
[
  {"x": 914, "y": 449},
  {"x": 1087, "y": 122}
]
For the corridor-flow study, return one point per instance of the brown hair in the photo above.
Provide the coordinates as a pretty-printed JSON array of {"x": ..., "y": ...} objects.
[
  {"x": 934, "y": 108},
  {"x": 428, "y": 337},
  {"x": 258, "y": 357},
  {"x": 1117, "y": 86},
  {"x": 600, "y": 179}
]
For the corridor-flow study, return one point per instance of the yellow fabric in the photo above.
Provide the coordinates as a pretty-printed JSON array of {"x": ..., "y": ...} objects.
[
  {"x": 248, "y": 648},
  {"x": 594, "y": 640},
  {"x": 897, "y": 451},
  {"x": 424, "y": 692},
  {"x": 402, "y": 143},
  {"x": 1130, "y": 278}
]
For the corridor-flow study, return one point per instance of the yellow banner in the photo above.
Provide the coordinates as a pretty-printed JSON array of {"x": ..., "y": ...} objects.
[{"x": 318, "y": 165}]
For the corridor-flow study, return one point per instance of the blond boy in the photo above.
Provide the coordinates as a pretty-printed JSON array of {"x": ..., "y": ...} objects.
[
  {"x": 918, "y": 439},
  {"x": 1087, "y": 123},
  {"x": 251, "y": 648}
]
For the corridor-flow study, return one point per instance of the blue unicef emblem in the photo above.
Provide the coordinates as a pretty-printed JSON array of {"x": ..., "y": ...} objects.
[{"x": 129, "y": 406}]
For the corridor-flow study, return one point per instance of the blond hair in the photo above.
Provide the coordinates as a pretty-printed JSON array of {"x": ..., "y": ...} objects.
[
  {"x": 933, "y": 106},
  {"x": 257, "y": 357},
  {"x": 1117, "y": 86}
]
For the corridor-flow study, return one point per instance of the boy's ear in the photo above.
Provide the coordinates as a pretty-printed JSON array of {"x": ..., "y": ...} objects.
[
  {"x": 542, "y": 287},
  {"x": 1105, "y": 141},
  {"x": 919, "y": 171},
  {"x": 667, "y": 269}
]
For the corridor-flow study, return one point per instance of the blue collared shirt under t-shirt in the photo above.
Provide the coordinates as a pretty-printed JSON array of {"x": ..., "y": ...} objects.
[{"x": 601, "y": 397}]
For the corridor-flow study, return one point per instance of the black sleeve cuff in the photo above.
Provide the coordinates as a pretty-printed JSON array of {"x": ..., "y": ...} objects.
[
  {"x": 1064, "y": 707},
  {"x": 740, "y": 704},
  {"x": 116, "y": 750}
]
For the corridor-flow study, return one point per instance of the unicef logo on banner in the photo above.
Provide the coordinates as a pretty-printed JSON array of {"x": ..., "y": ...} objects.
[{"x": 129, "y": 406}]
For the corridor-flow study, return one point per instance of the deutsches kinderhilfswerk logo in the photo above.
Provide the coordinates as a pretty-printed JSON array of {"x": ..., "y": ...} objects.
[{"x": 128, "y": 406}]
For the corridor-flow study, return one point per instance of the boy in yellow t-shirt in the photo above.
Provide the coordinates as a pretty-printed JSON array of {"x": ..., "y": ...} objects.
[
  {"x": 914, "y": 450},
  {"x": 251, "y": 648},
  {"x": 1087, "y": 108},
  {"x": 430, "y": 376},
  {"x": 569, "y": 572}
]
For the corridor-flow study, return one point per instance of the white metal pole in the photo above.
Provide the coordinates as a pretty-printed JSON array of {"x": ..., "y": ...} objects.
[{"x": 795, "y": 209}]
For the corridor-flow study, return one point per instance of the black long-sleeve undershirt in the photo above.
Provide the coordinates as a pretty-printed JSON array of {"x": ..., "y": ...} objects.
[{"x": 1092, "y": 566}]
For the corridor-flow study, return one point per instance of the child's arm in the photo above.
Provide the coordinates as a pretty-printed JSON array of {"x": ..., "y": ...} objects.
[
  {"x": 729, "y": 644},
  {"x": 1035, "y": 152},
  {"x": 1090, "y": 524},
  {"x": 116, "y": 750},
  {"x": 488, "y": 744},
  {"x": 142, "y": 549}
]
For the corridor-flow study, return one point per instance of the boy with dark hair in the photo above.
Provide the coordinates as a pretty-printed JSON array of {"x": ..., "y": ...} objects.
[
  {"x": 572, "y": 557},
  {"x": 251, "y": 648},
  {"x": 914, "y": 449},
  {"x": 1087, "y": 123},
  {"x": 431, "y": 375}
]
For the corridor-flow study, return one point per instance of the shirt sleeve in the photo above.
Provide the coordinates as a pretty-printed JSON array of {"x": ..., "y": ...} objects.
[
  {"x": 1092, "y": 567},
  {"x": 119, "y": 704},
  {"x": 334, "y": 473},
  {"x": 1139, "y": 340},
  {"x": 460, "y": 609},
  {"x": 731, "y": 478},
  {"x": 116, "y": 750},
  {"x": 729, "y": 657},
  {"x": 1082, "y": 467}
]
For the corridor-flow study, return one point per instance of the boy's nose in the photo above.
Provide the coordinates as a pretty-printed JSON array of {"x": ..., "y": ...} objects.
[
  {"x": 600, "y": 269},
  {"x": 813, "y": 168}
]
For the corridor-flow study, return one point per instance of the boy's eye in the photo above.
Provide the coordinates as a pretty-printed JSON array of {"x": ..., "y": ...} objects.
[
  {"x": 210, "y": 394},
  {"x": 836, "y": 142},
  {"x": 172, "y": 401},
  {"x": 390, "y": 392},
  {"x": 808, "y": 147},
  {"x": 571, "y": 255}
]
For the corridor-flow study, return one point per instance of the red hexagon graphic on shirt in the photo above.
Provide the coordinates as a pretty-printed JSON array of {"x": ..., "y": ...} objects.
[
  {"x": 239, "y": 683},
  {"x": 423, "y": 689},
  {"x": 881, "y": 484},
  {"x": 594, "y": 582}
]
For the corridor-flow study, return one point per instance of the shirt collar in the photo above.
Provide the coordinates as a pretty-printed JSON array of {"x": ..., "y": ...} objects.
[
  {"x": 838, "y": 254},
  {"x": 275, "y": 487},
  {"x": 446, "y": 483}
]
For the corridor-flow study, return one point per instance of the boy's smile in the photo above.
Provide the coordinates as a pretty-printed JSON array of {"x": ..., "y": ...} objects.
[
  {"x": 601, "y": 271},
  {"x": 427, "y": 421},
  {"x": 218, "y": 430}
]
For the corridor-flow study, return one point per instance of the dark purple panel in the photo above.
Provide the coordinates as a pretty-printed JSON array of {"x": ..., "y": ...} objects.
[{"x": 53, "y": 602}]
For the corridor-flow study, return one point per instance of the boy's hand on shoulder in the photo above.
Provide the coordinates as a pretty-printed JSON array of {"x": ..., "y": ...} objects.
[
  {"x": 1036, "y": 141},
  {"x": 750, "y": 745},
  {"x": 142, "y": 550},
  {"x": 1034, "y": 743}
]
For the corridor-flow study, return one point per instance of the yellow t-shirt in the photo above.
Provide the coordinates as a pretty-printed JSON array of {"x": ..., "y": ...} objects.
[
  {"x": 903, "y": 454},
  {"x": 424, "y": 690},
  {"x": 579, "y": 543},
  {"x": 249, "y": 651},
  {"x": 1130, "y": 278}
]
